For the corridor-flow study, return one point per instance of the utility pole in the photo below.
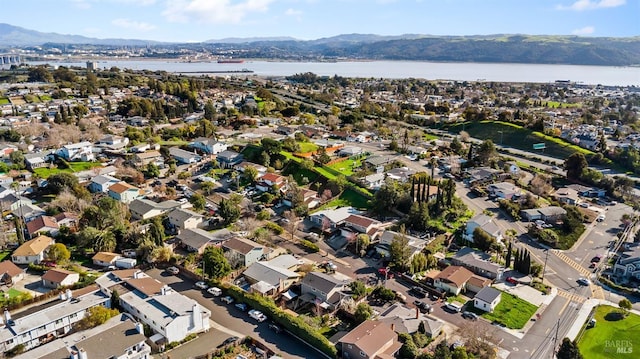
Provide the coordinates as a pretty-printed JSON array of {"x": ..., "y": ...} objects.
[
  {"x": 555, "y": 339},
  {"x": 544, "y": 268}
]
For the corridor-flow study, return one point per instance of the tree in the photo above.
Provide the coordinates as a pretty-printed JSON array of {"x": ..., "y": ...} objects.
[
  {"x": 271, "y": 146},
  {"x": 215, "y": 263},
  {"x": 362, "y": 242},
  {"x": 209, "y": 110},
  {"x": 507, "y": 260},
  {"x": 229, "y": 211},
  {"x": 17, "y": 158},
  {"x": 409, "y": 350},
  {"x": 115, "y": 300},
  {"x": 152, "y": 170},
  {"x": 541, "y": 184},
  {"x": 400, "y": 251},
  {"x": 482, "y": 239},
  {"x": 58, "y": 253},
  {"x": 362, "y": 313},
  {"x": 61, "y": 181},
  {"x": 250, "y": 174},
  {"x": 568, "y": 350},
  {"x": 198, "y": 201},
  {"x": 358, "y": 289},
  {"x": 96, "y": 316},
  {"x": 486, "y": 151},
  {"x": 575, "y": 165},
  {"x": 207, "y": 187},
  {"x": 625, "y": 305}
]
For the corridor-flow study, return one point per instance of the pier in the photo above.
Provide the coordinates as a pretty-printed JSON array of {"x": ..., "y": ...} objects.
[{"x": 9, "y": 59}]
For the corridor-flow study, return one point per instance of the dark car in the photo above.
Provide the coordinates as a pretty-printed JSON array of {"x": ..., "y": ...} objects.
[
  {"x": 418, "y": 292},
  {"x": 470, "y": 315},
  {"x": 424, "y": 307},
  {"x": 228, "y": 341},
  {"x": 275, "y": 328},
  {"x": 596, "y": 259}
]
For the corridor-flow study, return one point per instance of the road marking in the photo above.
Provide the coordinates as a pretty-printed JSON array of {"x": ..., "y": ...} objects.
[
  {"x": 572, "y": 298},
  {"x": 571, "y": 262},
  {"x": 548, "y": 329}
]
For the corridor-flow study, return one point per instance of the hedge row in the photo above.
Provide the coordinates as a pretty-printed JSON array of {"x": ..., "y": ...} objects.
[
  {"x": 293, "y": 324},
  {"x": 312, "y": 247}
]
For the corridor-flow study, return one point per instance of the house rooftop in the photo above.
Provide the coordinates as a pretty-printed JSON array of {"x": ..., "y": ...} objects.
[
  {"x": 34, "y": 246},
  {"x": 121, "y": 187},
  {"x": 488, "y": 294},
  {"x": 56, "y": 275},
  {"x": 455, "y": 274},
  {"x": 322, "y": 281},
  {"x": 370, "y": 336},
  {"x": 241, "y": 245}
]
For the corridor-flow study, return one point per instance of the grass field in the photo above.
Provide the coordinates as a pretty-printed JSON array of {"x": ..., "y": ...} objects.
[
  {"x": 307, "y": 147},
  {"x": 512, "y": 311},
  {"x": 4, "y": 101},
  {"x": 600, "y": 341},
  {"x": 74, "y": 167},
  {"x": 44, "y": 98},
  {"x": 4, "y": 255},
  {"x": 347, "y": 198},
  {"x": 173, "y": 143},
  {"x": 518, "y": 137},
  {"x": 346, "y": 167}
]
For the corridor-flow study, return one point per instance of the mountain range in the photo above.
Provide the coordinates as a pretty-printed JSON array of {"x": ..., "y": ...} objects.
[{"x": 502, "y": 48}]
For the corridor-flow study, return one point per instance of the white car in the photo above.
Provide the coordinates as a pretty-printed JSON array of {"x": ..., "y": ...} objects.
[
  {"x": 583, "y": 281},
  {"x": 173, "y": 270},
  {"x": 257, "y": 315},
  {"x": 201, "y": 285},
  {"x": 600, "y": 218},
  {"x": 214, "y": 291}
]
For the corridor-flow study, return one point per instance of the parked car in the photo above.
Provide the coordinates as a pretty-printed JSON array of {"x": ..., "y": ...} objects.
[
  {"x": 453, "y": 307},
  {"x": 470, "y": 315},
  {"x": 275, "y": 328},
  {"x": 424, "y": 307},
  {"x": 173, "y": 270},
  {"x": 201, "y": 285},
  {"x": 584, "y": 204},
  {"x": 418, "y": 292},
  {"x": 597, "y": 258},
  {"x": 512, "y": 280},
  {"x": 583, "y": 281},
  {"x": 226, "y": 299},
  {"x": 229, "y": 340},
  {"x": 241, "y": 306},
  {"x": 385, "y": 272},
  {"x": 257, "y": 315},
  {"x": 215, "y": 291},
  {"x": 593, "y": 265},
  {"x": 601, "y": 218}
]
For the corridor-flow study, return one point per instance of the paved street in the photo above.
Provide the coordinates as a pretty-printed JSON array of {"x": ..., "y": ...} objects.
[{"x": 233, "y": 321}]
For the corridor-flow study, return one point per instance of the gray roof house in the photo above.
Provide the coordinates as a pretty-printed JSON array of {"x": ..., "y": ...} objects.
[
  {"x": 628, "y": 263},
  {"x": 484, "y": 222},
  {"x": 477, "y": 262},
  {"x": 268, "y": 279},
  {"x": 183, "y": 156},
  {"x": 407, "y": 320},
  {"x": 323, "y": 287},
  {"x": 181, "y": 219},
  {"x": 229, "y": 158},
  {"x": 487, "y": 299},
  {"x": 197, "y": 239},
  {"x": 142, "y": 208},
  {"x": 547, "y": 214},
  {"x": 243, "y": 252}
]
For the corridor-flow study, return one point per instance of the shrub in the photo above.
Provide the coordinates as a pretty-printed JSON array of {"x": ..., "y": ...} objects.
[
  {"x": 310, "y": 246},
  {"x": 277, "y": 229}
]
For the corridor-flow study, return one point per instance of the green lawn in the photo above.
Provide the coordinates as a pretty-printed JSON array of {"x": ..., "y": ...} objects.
[
  {"x": 45, "y": 98},
  {"x": 13, "y": 293},
  {"x": 512, "y": 311},
  {"x": 307, "y": 147},
  {"x": 347, "y": 198},
  {"x": 457, "y": 298},
  {"x": 518, "y": 137},
  {"x": 74, "y": 167},
  {"x": 346, "y": 167},
  {"x": 173, "y": 143},
  {"x": 4, "y": 255},
  {"x": 609, "y": 336},
  {"x": 4, "y": 101}
]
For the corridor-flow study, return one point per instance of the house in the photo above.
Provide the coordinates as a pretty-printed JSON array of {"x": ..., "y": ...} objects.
[
  {"x": 144, "y": 158},
  {"x": 13, "y": 201},
  {"x": 81, "y": 151},
  {"x": 180, "y": 219},
  {"x": 142, "y": 208},
  {"x": 487, "y": 299},
  {"x": 45, "y": 323},
  {"x": 323, "y": 288},
  {"x": 28, "y": 211},
  {"x": 170, "y": 314},
  {"x": 453, "y": 279},
  {"x": 101, "y": 183},
  {"x": 33, "y": 251},
  {"x": 38, "y": 159},
  {"x": 374, "y": 181},
  {"x": 482, "y": 174},
  {"x": 228, "y": 158},
  {"x": 476, "y": 283},
  {"x": 67, "y": 219},
  {"x": 268, "y": 279},
  {"x": 243, "y": 251},
  {"x": 585, "y": 191},
  {"x": 208, "y": 145},
  {"x": 330, "y": 219},
  {"x": 197, "y": 239},
  {"x": 549, "y": 214},
  {"x": 628, "y": 263},
  {"x": 105, "y": 259},
  {"x": 309, "y": 198},
  {"x": 370, "y": 340},
  {"x": 243, "y": 165},
  {"x": 185, "y": 157},
  {"x": 120, "y": 337},
  {"x": 403, "y": 174},
  {"x": 123, "y": 192},
  {"x": 485, "y": 223},
  {"x": 383, "y": 247},
  {"x": 10, "y": 273},
  {"x": 362, "y": 224},
  {"x": 56, "y": 278},
  {"x": 112, "y": 143},
  {"x": 478, "y": 262},
  {"x": 43, "y": 225},
  {"x": 350, "y": 151},
  {"x": 567, "y": 195},
  {"x": 140, "y": 148},
  {"x": 503, "y": 190},
  {"x": 408, "y": 320},
  {"x": 270, "y": 180}
]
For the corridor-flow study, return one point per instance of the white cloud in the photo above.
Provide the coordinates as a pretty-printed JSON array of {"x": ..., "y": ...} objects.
[
  {"x": 581, "y": 5},
  {"x": 131, "y": 24},
  {"x": 81, "y": 4},
  {"x": 213, "y": 11},
  {"x": 587, "y": 30},
  {"x": 293, "y": 12},
  {"x": 137, "y": 2}
]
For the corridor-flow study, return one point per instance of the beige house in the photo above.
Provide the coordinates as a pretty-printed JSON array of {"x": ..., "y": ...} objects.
[
  {"x": 181, "y": 219},
  {"x": 55, "y": 278},
  {"x": 371, "y": 340},
  {"x": 105, "y": 259},
  {"x": 33, "y": 251},
  {"x": 453, "y": 279}
]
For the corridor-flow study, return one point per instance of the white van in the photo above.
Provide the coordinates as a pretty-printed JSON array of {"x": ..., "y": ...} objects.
[
  {"x": 454, "y": 307},
  {"x": 215, "y": 291}
]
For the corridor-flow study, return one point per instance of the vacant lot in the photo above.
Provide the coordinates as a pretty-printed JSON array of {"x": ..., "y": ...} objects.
[
  {"x": 612, "y": 337},
  {"x": 512, "y": 311},
  {"x": 307, "y": 147},
  {"x": 348, "y": 198},
  {"x": 347, "y": 167}
]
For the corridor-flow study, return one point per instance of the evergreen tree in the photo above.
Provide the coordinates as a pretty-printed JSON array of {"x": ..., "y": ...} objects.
[
  {"x": 425, "y": 187},
  {"x": 413, "y": 188},
  {"x": 516, "y": 259},
  {"x": 418, "y": 198},
  {"x": 569, "y": 350},
  {"x": 527, "y": 263},
  {"x": 507, "y": 260}
]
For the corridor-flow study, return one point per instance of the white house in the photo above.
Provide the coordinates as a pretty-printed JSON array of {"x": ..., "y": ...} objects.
[
  {"x": 487, "y": 299},
  {"x": 208, "y": 145},
  {"x": 56, "y": 278},
  {"x": 123, "y": 192},
  {"x": 33, "y": 251},
  {"x": 101, "y": 183},
  {"x": 503, "y": 190},
  {"x": 486, "y": 223},
  {"x": 183, "y": 156},
  {"x": 183, "y": 218},
  {"x": 81, "y": 151}
]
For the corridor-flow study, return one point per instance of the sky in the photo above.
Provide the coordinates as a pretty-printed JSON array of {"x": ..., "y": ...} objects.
[{"x": 200, "y": 20}]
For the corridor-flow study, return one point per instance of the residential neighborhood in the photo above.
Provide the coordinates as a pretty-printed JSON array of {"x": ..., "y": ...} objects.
[{"x": 170, "y": 220}]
